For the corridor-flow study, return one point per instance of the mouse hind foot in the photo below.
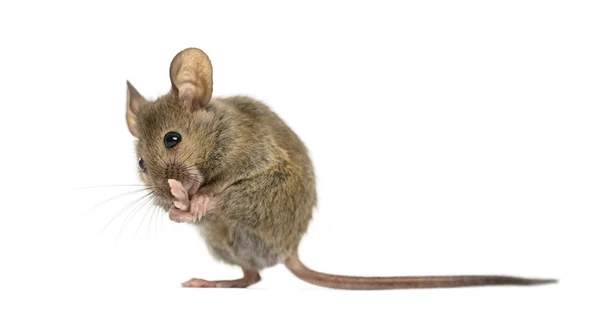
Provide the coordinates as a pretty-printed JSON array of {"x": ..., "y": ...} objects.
[{"x": 250, "y": 277}]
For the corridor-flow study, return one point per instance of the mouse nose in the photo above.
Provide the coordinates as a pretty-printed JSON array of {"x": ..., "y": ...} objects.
[{"x": 173, "y": 171}]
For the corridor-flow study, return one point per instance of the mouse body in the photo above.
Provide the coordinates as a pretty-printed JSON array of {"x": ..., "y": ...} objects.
[{"x": 238, "y": 172}]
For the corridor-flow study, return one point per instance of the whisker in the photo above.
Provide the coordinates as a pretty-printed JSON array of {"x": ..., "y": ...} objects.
[
  {"x": 196, "y": 180},
  {"x": 188, "y": 167},
  {"x": 188, "y": 173},
  {"x": 123, "y": 210},
  {"x": 131, "y": 215},
  {"x": 162, "y": 220},
  {"x": 142, "y": 222},
  {"x": 188, "y": 170},
  {"x": 185, "y": 156},
  {"x": 162, "y": 159},
  {"x": 152, "y": 218},
  {"x": 107, "y": 186},
  {"x": 191, "y": 153},
  {"x": 189, "y": 176},
  {"x": 192, "y": 176},
  {"x": 116, "y": 197},
  {"x": 159, "y": 215}
]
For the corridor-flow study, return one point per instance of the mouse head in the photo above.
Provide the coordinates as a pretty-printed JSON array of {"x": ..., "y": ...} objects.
[{"x": 175, "y": 133}]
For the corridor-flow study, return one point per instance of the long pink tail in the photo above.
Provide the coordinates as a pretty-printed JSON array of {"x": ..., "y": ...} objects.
[{"x": 372, "y": 283}]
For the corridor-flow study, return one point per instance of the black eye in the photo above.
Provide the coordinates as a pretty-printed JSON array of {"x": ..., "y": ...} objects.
[
  {"x": 141, "y": 164},
  {"x": 172, "y": 139}
]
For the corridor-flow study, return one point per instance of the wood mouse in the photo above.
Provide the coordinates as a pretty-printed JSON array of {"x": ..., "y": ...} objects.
[{"x": 233, "y": 168}]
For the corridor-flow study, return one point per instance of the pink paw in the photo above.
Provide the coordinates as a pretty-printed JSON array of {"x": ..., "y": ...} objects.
[
  {"x": 199, "y": 283},
  {"x": 201, "y": 204},
  {"x": 177, "y": 215},
  {"x": 184, "y": 209},
  {"x": 240, "y": 283},
  {"x": 181, "y": 196}
]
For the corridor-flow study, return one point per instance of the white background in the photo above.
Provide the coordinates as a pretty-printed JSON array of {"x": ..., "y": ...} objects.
[{"x": 449, "y": 137}]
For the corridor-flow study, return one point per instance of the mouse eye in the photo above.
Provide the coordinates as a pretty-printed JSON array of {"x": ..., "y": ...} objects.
[
  {"x": 172, "y": 139},
  {"x": 142, "y": 164}
]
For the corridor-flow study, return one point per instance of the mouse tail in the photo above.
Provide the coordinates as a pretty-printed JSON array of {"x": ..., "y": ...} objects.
[{"x": 294, "y": 264}]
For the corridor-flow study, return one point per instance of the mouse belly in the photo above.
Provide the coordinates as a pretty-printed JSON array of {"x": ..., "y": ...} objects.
[{"x": 237, "y": 245}]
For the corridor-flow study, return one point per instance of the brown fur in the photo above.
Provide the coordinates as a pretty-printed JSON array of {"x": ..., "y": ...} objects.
[
  {"x": 257, "y": 172},
  {"x": 270, "y": 186}
]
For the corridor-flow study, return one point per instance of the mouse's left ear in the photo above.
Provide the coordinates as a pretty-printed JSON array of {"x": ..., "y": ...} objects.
[
  {"x": 191, "y": 78},
  {"x": 134, "y": 102}
]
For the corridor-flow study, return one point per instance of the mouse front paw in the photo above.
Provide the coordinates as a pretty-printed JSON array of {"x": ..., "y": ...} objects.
[
  {"x": 182, "y": 201},
  {"x": 193, "y": 211},
  {"x": 185, "y": 209},
  {"x": 178, "y": 215},
  {"x": 201, "y": 203}
]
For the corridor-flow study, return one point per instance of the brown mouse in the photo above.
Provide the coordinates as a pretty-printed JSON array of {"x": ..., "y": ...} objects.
[{"x": 233, "y": 168}]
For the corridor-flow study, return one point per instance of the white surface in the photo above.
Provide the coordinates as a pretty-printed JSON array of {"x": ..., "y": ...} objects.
[{"x": 448, "y": 137}]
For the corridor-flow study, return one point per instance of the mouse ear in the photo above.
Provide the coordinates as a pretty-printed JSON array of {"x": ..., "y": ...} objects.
[
  {"x": 134, "y": 102},
  {"x": 191, "y": 78}
]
